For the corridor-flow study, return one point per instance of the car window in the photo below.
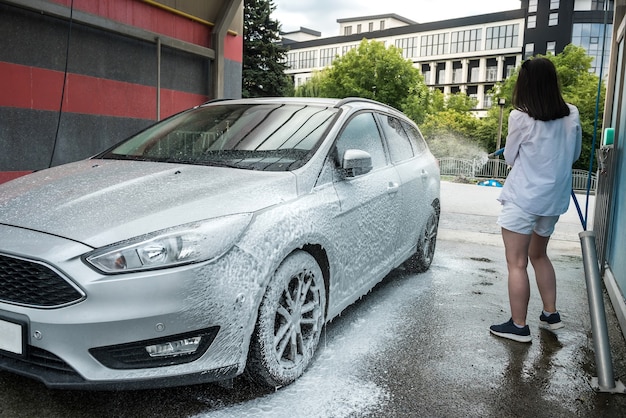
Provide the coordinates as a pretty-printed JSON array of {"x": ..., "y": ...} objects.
[
  {"x": 400, "y": 148},
  {"x": 416, "y": 138},
  {"x": 362, "y": 133}
]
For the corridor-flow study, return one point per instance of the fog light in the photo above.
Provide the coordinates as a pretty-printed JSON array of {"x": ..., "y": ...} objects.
[
  {"x": 174, "y": 348},
  {"x": 157, "y": 352}
]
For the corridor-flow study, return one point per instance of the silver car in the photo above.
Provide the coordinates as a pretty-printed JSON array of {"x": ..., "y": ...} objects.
[{"x": 216, "y": 242}]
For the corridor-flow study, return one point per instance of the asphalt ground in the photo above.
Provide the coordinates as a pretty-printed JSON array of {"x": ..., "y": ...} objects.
[{"x": 456, "y": 368}]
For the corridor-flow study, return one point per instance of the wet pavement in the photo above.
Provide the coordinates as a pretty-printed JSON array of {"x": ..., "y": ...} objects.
[
  {"x": 455, "y": 368},
  {"x": 416, "y": 346}
]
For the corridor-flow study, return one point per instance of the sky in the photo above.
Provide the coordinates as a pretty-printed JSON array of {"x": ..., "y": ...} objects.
[{"x": 322, "y": 15}]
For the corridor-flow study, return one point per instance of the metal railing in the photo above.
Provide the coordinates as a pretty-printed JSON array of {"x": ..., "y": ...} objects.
[
  {"x": 602, "y": 212},
  {"x": 497, "y": 169}
]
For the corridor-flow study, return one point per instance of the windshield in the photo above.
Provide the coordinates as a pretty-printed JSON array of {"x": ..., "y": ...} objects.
[{"x": 272, "y": 137}]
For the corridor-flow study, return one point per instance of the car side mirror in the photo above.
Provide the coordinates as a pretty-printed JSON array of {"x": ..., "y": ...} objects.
[{"x": 356, "y": 162}]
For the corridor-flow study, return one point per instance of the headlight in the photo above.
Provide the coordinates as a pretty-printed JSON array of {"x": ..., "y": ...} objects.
[{"x": 190, "y": 243}]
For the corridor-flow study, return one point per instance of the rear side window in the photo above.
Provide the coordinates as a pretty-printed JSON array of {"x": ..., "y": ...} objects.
[
  {"x": 400, "y": 148},
  {"x": 416, "y": 138}
]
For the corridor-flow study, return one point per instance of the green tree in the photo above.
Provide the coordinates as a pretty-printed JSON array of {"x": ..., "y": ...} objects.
[
  {"x": 578, "y": 86},
  {"x": 312, "y": 88},
  {"x": 373, "y": 71},
  {"x": 263, "y": 57}
]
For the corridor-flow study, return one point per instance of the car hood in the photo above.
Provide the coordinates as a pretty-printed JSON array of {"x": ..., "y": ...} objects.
[{"x": 98, "y": 202}]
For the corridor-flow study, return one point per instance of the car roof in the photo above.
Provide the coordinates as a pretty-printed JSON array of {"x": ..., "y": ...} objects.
[
  {"x": 285, "y": 100},
  {"x": 354, "y": 102}
]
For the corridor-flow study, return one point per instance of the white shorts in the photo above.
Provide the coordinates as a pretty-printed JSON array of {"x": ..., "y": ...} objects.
[{"x": 518, "y": 220}]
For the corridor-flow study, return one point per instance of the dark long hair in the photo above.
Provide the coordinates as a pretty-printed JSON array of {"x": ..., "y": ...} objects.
[{"x": 537, "y": 91}]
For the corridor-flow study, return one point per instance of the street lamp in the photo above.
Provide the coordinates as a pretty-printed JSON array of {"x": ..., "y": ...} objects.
[{"x": 501, "y": 102}]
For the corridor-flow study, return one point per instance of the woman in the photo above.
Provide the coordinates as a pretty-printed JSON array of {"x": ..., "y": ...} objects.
[{"x": 543, "y": 141}]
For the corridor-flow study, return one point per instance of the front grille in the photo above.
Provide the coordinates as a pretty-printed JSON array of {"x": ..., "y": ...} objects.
[{"x": 28, "y": 283}]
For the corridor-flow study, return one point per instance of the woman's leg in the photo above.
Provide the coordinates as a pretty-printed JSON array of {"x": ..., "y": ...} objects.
[
  {"x": 516, "y": 250},
  {"x": 544, "y": 271}
]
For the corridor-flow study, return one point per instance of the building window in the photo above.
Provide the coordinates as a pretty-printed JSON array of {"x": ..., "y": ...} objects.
[
  {"x": 474, "y": 75},
  {"x": 492, "y": 73},
  {"x": 346, "y": 48},
  {"x": 382, "y": 25},
  {"x": 551, "y": 48},
  {"x": 371, "y": 26},
  {"x": 465, "y": 41},
  {"x": 408, "y": 46},
  {"x": 553, "y": 19},
  {"x": 500, "y": 37},
  {"x": 554, "y": 4},
  {"x": 532, "y": 6},
  {"x": 510, "y": 70},
  {"x": 457, "y": 75},
  {"x": 358, "y": 28},
  {"x": 532, "y": 22},
  {"x": 327, "y": 56},
  {"x": 589, "y": 36},
  {"x": 292, "y": 60},
  {"x": 487, "y": 100},
  {"x": 426, "y": 73},
  {"x": 441, "y": 73},
  {"x": 347, "y": 30},
  {"x": 434, "y": 44},
  {"x": 599, "y": 4},
  {"x": 306, "y": 59},
  {"x": 529, "y": 51}
]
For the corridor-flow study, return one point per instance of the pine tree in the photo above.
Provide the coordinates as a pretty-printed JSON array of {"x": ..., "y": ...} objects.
[{"x": 264, "y": 60}]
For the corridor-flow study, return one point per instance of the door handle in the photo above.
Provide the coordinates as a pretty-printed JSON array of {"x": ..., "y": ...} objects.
[{"x": 392, "y": 187}]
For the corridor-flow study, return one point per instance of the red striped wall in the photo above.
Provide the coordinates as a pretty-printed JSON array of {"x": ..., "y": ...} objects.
[
  {"x": 40, "y": 89},
  {"x": 37, "y": 88},
  {"x": 142, "y": 15},
  {"x": 233, "y": 48}
]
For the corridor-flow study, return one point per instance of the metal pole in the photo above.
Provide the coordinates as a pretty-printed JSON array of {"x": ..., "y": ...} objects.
[
  {"x": 501, "y": 103},
  {"x": 605, "y": 381},
  {"x": 158, "y": 82}
]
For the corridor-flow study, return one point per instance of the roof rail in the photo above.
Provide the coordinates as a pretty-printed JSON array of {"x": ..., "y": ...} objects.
[
  {"x": 347, "y": 100},
  {"x": 216, "y": 100}
]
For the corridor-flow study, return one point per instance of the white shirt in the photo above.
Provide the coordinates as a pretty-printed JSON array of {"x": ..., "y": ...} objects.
[{"x": 541, "y": 155}]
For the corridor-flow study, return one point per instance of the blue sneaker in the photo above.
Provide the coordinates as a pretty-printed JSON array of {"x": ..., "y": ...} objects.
[
  {"x": 512, "y": 332},
  {"x": 552, "y": 321}
]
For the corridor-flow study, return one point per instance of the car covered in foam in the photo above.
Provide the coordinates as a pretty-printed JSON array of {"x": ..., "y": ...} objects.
[{"x": 216, "y": 242}]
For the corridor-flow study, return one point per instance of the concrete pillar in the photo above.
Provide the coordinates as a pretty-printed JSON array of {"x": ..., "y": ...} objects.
[
  {"x": 224, "y": 18},
  {"x": 481, "y": 96},
  {"x": 448, "y": 73},
  {"x": 482, "y": 70},
  {"x": 500, "y": 63}
]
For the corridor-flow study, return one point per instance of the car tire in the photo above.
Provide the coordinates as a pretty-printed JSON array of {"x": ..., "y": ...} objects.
[
  {"x": 423, "y": 257},
  {"x": 290, "y": 322}
]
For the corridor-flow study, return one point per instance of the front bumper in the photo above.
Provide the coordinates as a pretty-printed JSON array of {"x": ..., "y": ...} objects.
[
  {"x": 56, "y": 374},
  {"x": 99, "y": 341}
]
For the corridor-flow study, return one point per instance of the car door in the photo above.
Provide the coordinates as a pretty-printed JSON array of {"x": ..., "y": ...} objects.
[
  {"x": 413, "y": 172},
  {"x": 369, "y": 208}
]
